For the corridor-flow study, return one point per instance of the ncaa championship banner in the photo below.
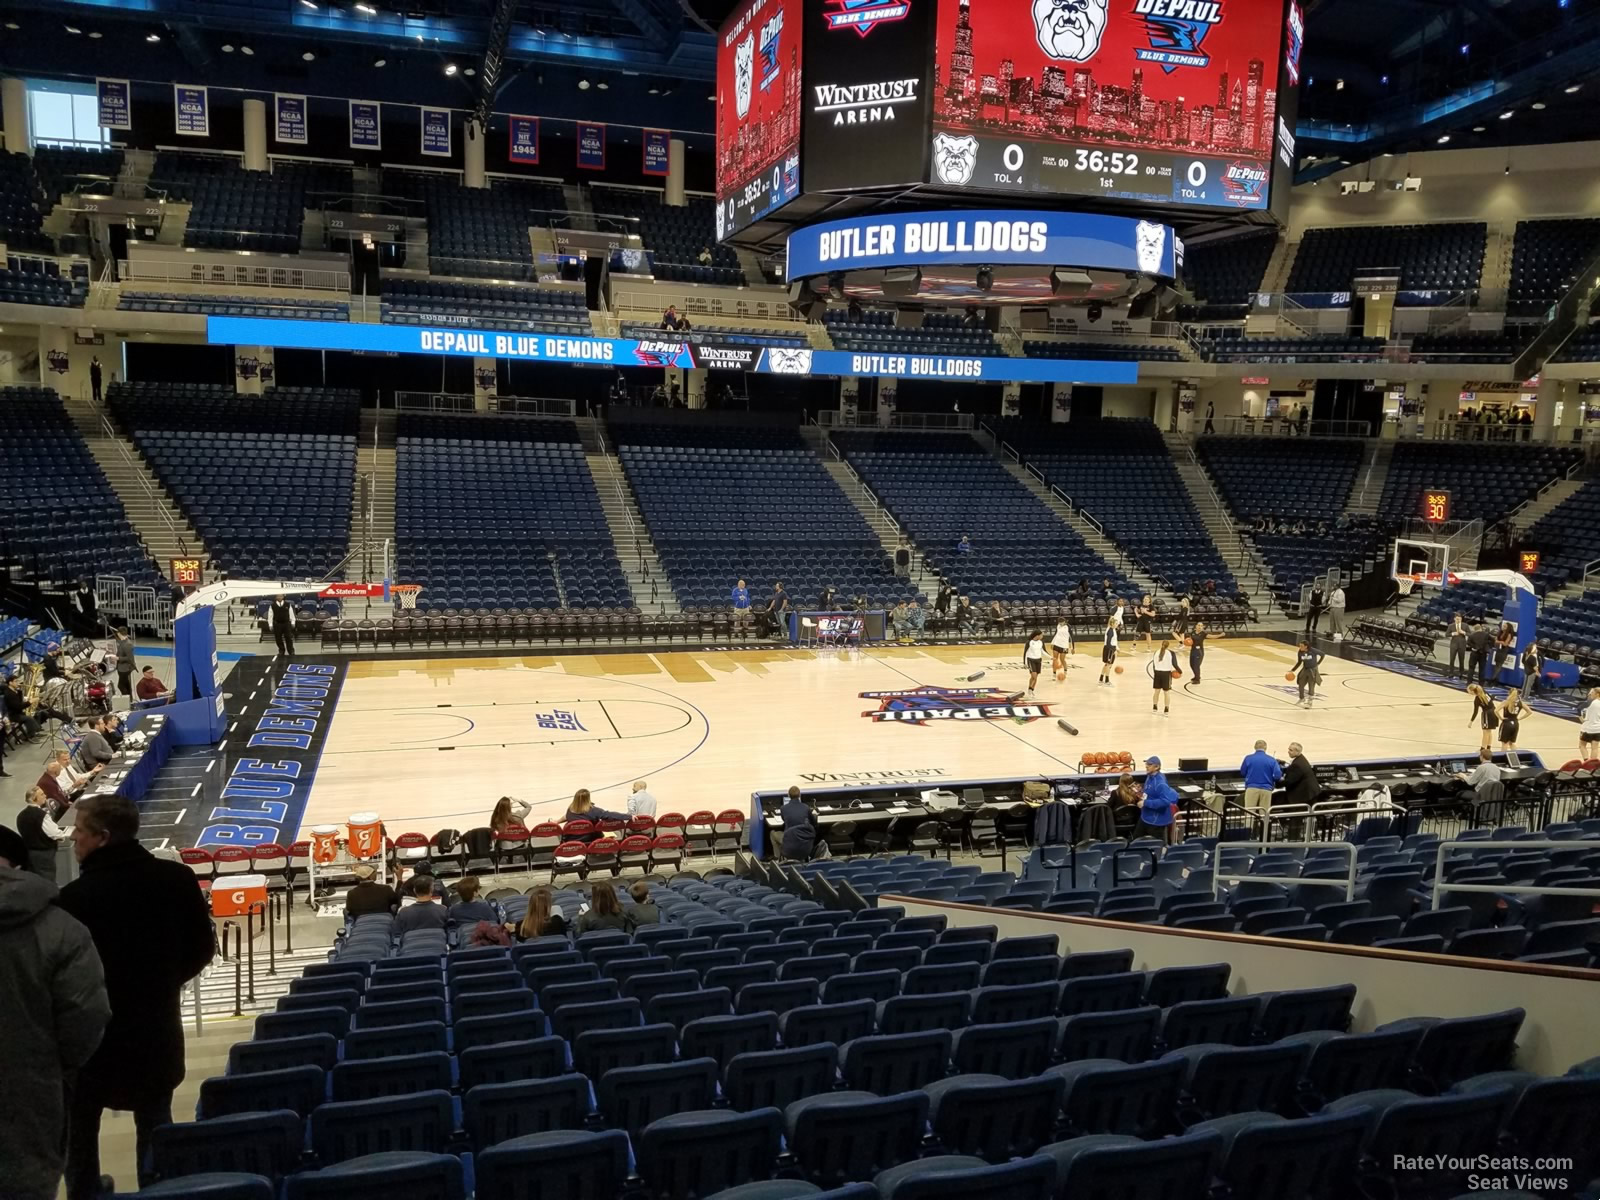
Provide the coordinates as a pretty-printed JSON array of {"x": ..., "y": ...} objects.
[{"x": 466, "y": 342}]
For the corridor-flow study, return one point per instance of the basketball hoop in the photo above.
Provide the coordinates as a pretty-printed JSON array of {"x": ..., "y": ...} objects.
[{"x": 405, "y": 595}]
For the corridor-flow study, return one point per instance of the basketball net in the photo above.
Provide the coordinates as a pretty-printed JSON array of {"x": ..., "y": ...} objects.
[{"x": 405, "y": 596}]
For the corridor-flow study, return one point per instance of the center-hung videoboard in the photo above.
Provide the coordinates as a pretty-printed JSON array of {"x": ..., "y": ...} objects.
[{"x": 1186, "y": 103}]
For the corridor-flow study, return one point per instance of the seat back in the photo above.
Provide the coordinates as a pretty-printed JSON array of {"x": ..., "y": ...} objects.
[
  {"x": 1136, "y": 1100},
  {"x": 996, "y": 1120},
  {"x": 630, "y": 1098},
  {"x": 1229, "y": 1021},
  {"x": 1126, "y": 1034},
  {"x": 266, "y": 1142},
  {"x": 562, "y": 1165},
  {"x": 497, "y": 1112},
  {"x": 1244, "y": 1079},
  {"x": 1012, "y": 1050},
  {"x": 348, "y": 1129},
  {"x": 721, "y": 1038},
  {"x": 597, "y": 1051},
  {"x": 779, "y": 1077},
  {"x": 888, "y": 1063},
  {"x": 845, "y": 1136},
  {"x": 1294, "y": 1158},
  {"x": 1360, "y": 1062},
  {"x": 1176, "y": 1169},
  {"x": 701, "y": 1153}
]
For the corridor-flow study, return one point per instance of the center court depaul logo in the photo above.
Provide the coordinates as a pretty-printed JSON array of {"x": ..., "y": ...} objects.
[{"x": 927, "y": 705}]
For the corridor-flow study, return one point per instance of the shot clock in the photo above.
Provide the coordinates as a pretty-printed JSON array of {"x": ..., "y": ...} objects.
[{"x": 1435, "y": 506}]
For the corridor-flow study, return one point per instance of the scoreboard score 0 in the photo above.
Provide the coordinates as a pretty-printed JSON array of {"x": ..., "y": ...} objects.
[{"x": 1435, "y": 506}]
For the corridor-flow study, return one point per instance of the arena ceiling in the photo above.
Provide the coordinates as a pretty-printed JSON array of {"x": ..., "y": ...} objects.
[{"x": 1383, "y": 76}]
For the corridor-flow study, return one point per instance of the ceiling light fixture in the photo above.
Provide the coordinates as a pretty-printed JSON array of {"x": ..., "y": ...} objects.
[
  {"x": 603, "y": 86},
  {"x": 14, "y": 26},
  {"x": 368, "y": 9},
  {"x": 311, "y": 4},
  {"x": 309, "y": 56},
  {"x": 152, "y": 37},
  {"x": 1338, "y": 85},
  {"x": 655, "y": 91},
  {"x": 380, "y": 62},
  {"x": 583, "y": 85},
  {"x": 246, "y": 51},
  {"x": 95, "y": 35},
  {"x": 1478, "y": 128},
  {"x": 470, "y": 71},
  {"x": 1507, "y": 115},
  {"x": 72, "y": 29},
  {"x": 1568, "y": 90},
  {"x": 1443, "y": 138},
  {"x": 1537, "y": 106},
  {"x": 227, "y": 47},
  {"x": 450, "y": 68}
]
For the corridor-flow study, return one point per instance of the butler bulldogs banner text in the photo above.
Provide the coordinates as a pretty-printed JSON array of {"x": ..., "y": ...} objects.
[{"x": 982, "y": 238}]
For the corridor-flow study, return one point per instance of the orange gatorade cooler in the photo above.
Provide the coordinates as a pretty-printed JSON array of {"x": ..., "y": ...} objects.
[
  {"x": 238, "y": 895},
  {"x": 324, "y": 843},
  {"x": 366, "y": 835}
]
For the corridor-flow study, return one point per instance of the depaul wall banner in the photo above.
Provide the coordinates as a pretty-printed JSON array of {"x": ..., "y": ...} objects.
[
  {"x": 115, "y": 107},
  {"x": 467, "y": 342},
  {"x": 366, "y": 125},
  {"x": 591, "y": 145},
  {"x": 191, "y": 110},
  {"x": 289, "y": 123},
  {"x": 657, "y": 151},
  {"x": 436, "y": 132},
  {"x": 523, "y": 140}
]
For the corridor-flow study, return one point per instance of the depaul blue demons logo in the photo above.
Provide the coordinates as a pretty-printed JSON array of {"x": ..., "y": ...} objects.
[
  {"x": 865, "y": 15},
  {"x": 771, "y": 42},
  {"x": 1244, "y": 183},
  {"x": 662, "y": 354},
  {"x": 924, "y": 705},
  {"x": 1176, "y": 29}
]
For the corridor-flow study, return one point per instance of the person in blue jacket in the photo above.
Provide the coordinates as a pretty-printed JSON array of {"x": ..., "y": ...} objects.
[
  {"x": 1160, "y": 804},
  {"x": 741, "y": 607}
]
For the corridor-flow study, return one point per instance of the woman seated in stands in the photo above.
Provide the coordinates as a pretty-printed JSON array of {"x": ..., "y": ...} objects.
[
  {"x": 1300, "y": 528},
  {"x": 584, "y": 809},
  {"x": 541, "y": 919},
  {"x": 605, "y": 912},
  {"x": 997, "y": 615},
  {"x": 509, "y": 813},
  {"x": 471, "y": 908},
  {"x": 1259, "y": 525},
  {"x": 966, "y": 615}
]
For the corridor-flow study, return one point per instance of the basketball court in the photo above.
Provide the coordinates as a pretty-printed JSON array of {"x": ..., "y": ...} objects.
[{"x": 431, "y": 742}]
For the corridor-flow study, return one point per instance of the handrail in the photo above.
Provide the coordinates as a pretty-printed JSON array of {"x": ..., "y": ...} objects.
[
  {"x": 159, "y": 500},
  {"x": 1007, "y": 451},
  {"x": 1348, "y": 883},
  {"x": 625, "y": 505},
  {"x": 1035, "y": 472},
  {"x": 1440, "y": 886}
]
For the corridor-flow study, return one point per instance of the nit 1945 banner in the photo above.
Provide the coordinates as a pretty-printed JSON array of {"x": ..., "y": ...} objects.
[{"x": 523, "y": 140}]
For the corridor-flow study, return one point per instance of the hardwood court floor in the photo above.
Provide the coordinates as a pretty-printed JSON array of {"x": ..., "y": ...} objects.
[{"x": 431, "y": 743}]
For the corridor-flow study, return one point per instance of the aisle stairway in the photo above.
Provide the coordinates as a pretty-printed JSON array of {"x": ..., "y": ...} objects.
[
  {"x": 375, "y": 461},
  {"x": 647, "y": 578},
  {"x": 1374, "y": 473},
  {"x": 881, "y": 523},
  {"x": 154, "y": 516},
  {"x": 1249, "y": 568}
]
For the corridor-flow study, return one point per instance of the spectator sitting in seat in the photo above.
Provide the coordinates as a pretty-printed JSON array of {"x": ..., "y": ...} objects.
[
  {"x": 899, "y": 621},
  {"x": 997, "y": 615},
  {"x": 916, "y": 617},
  {"x": 964, "y": 546},
  {"x": 111, "y": 726},
  {"x": 471, "y": 909},
  {"x": 583, "y": 808},
  {"x": 799, "y": 828},
  {"x": 541, "y": 919},
  {"x": 966, "y": 615},
  {"x": 54, "y": 666},
  {"x": 641, "y": 803},
  {"x": 95, "y": 749},
  {"x": 425, "y": 912},
  {"x": 72, "y": 779},
  {"x": 368, "y": 896},
  {"x": 509, "y": 813},
  {"x": 643, "y": 910},
  {"x": 149, "y": 687},
  {"x": 1126, "y": 803},
  {"x": 704, "y": 257},
  {"x": 670, "y": 318},
  {"x": 605, "y": 912},
  {"x": 1487, "y": 771}
]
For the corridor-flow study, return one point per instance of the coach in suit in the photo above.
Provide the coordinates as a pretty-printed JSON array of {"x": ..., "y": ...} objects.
[
  {"x": 95, "y": 750},
  {"x": 1299, "y": 777},
  {"x": 1480, "y": 641},
  {"x": 799, "y": 828}
]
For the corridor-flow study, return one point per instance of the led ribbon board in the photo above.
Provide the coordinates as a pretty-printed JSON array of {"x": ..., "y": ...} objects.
[
  {"x": 1090, "y": 241},
  {"x": 464, "y": 341}
]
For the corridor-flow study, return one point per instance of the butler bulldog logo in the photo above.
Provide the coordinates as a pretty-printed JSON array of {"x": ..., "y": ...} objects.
[
  {"x": 744, "y": 71},
  {"x": 1150, "y": 240},
  {"x": 954, "y": 158},
  {"x": 926, "y": 705},
  {"x": 786, "y": 361},
  {"x": 1069, "y": 29}
]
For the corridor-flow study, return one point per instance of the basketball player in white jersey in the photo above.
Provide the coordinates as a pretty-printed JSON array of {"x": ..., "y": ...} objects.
[
  {"x": 1060, "y": 648},
  {"x": 1163, "y": 669},
  {"x": 1033, "y": 659}
]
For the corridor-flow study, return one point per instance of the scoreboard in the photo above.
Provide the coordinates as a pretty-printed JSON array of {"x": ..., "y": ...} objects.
[
  {"x": 1164, "y": 101},
  {"x": 1435, "y": 506}
]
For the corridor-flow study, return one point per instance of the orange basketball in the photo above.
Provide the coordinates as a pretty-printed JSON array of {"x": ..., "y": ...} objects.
[
  {"x": 1289, "y": 678},
  {"x": 1091, "y": 759},
  {"x": 1118, "y": 670},
  {"x": 1125, "y": 758},
  {"x": 1188, "y": 641},
  {"x": 1177, "y": 674}
]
